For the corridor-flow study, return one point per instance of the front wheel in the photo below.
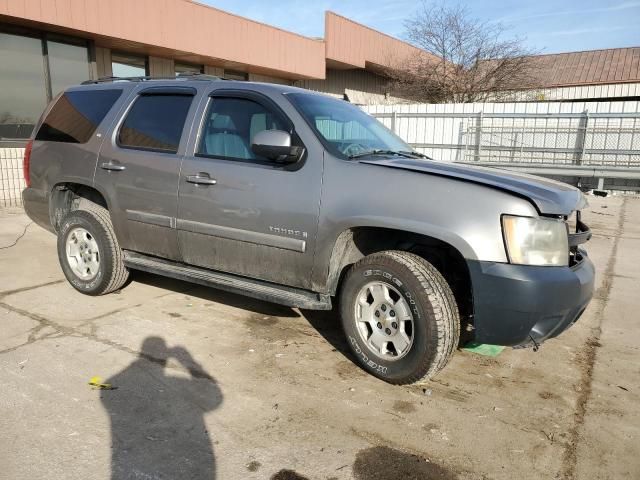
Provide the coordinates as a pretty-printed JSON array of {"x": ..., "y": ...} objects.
[
  {"x": 400, "y": 316},
  {"x": 88, "y": 251}
]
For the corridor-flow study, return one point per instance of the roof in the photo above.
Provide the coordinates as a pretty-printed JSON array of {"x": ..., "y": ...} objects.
[
  {"x": 196, "y": 81},
  {"x": 592, "y": 67}
]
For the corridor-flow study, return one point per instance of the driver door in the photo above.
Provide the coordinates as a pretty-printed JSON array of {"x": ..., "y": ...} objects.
[{"x": 240, "y": 213}]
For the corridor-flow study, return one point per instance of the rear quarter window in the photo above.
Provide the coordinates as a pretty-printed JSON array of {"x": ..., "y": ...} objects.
[{"x": 76, "y": 115}]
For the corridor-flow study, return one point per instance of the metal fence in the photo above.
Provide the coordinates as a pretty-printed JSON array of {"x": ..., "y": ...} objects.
[
  {"x": 11, "y": 178},
  {"x": 598, "y": 139}
]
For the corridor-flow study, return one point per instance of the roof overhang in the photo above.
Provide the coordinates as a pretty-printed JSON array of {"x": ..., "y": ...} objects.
[
  {"x": 353, "y": 45},
  {"x": 195, "y": 33},
  {"x": 181, "y": 29}
]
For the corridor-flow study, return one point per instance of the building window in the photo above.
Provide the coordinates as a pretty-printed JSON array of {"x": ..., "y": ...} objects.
[
  {"x": 188, "y": 68},
  {"x": 23, "y": 92},
  {"x": 35, "y": 68},
  {"x": 68, "y": 65},
  {"x": 124, "y": 65},
  {"x": 236, "y": 75},
  {"x": 155, "y": 122}
]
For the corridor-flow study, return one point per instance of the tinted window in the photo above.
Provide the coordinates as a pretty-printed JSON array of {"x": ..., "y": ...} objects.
[
  {"x": 22, "y": 85},
  {"x": 68, "y": 65},
  {"x": 76, "y": 115},
  {"x": 155, "y": 122},
  {"x": 230, "y": 125}
]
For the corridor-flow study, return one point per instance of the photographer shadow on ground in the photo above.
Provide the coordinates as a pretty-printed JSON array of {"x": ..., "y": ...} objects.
[{"x": 157, "y": 416}]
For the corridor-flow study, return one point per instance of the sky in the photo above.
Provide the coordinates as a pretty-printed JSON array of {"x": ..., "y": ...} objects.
[{"x": 548, "y": 26}]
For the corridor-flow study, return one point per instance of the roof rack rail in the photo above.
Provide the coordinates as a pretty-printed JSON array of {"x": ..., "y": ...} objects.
[{"x": 180, "y": 76}]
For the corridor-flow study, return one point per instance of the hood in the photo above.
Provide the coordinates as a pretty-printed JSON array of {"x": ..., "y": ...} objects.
[{"x": 549, "y": 197}]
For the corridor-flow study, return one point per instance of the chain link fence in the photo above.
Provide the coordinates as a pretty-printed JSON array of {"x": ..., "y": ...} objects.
[
  {"x": 592, "y": 144},
  {"x": 602, "y": 140},
  {"x": 11, "y": 177}
]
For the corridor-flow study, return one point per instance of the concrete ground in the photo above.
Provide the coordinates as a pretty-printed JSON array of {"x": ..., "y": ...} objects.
[{"x": 209, "y": 384}]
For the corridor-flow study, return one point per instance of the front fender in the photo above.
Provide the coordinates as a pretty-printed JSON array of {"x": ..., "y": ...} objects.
[{"x": 464, "y": 215}]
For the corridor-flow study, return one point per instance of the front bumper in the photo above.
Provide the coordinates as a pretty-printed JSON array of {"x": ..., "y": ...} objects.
[{"x": 517, "y": 305}]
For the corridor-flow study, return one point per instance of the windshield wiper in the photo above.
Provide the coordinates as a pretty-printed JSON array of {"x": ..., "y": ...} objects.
[
  {"x": 382, "y": 152},
  {"x": 416, "y": 154}
]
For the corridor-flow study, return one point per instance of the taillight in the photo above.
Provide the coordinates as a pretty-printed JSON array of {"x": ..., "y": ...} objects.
[{"x": 26, "y": 162}]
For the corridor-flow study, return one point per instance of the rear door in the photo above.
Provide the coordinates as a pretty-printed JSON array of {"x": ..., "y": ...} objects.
[
  {"x": 139, "y": 167},
  {"x": 70, "y": 135},
  {"x": 238, "y": 212}
]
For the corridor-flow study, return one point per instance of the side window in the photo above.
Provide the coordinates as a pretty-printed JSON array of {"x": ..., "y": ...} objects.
[
  {"x": 76, "y": 115},
  {"x": 155, "y": 122},
  {"x": 231, "y": 123}
]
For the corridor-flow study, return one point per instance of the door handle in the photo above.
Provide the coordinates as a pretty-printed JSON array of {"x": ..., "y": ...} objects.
[
  {"x": 112, "y": 167},
  {"x": 201, "y": 179}
]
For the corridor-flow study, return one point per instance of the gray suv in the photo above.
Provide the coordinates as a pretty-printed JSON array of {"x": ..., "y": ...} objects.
[{"x": 300, "y": 199}]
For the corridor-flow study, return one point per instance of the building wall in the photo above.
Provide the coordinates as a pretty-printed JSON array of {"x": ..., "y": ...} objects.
[
  {"x": 627, "y": 91},
  {"x": 337, "y": 82},
  {"x": 164, "y": 67},
  {"x": 103, "y": 62},
  {"x": 360, "y": 86},
  {"x": 216, "y": 71},
  {"x": 256, "y": 77},
  {"x": 177, "y": 28},
  {"x": 355, "y": 45},
  {"x": 161, "y": 67}
]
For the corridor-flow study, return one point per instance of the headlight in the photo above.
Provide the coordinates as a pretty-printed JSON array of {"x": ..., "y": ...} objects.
[{"x": 536, "y": 241}]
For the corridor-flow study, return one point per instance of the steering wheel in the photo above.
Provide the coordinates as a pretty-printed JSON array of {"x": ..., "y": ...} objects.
[{"x": 355, "y": 148}]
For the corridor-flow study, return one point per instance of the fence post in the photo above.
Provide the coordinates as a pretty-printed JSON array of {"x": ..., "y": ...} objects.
[
  {"x": 582, "y": 136},
  {"x": 394, "y": 118},
  {"x": 479, "y": 136}
]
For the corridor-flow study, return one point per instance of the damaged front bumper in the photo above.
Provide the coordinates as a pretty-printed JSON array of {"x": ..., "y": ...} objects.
[{"x": 521, "y": 305}]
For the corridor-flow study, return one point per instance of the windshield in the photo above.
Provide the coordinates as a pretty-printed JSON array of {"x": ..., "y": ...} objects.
[{"x": 345, "y": 130}]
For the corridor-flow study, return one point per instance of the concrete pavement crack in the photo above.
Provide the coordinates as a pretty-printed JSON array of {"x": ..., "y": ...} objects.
[
  {"x": 15, "y": 242},
  {"x": 62, "y": 331},
  {"x": 33, "y": 287},
  {"x": 587, "y": 356}
]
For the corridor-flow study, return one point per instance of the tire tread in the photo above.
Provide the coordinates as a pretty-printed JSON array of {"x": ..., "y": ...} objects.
[
  {"x": 436, "y": 291},
  {"x": 119, "y": 273}
]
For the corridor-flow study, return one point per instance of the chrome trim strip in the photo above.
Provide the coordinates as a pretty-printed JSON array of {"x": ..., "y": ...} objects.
[
  {"x": 248, "y": 236},
  {"x": 151, "y": 218}
]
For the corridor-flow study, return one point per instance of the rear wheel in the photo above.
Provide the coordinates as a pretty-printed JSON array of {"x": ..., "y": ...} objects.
[
  {"x": 88, "y": 250},
  {"x": 400, "y": 316}
]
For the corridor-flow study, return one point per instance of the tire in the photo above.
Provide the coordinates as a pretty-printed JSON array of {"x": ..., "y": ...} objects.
[
  {"x": 410, "y": 284},
  {"x": 91, "y": 225}
]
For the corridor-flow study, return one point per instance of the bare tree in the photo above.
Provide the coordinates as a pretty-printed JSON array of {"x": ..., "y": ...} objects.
[{"x": 463, "y": 59}]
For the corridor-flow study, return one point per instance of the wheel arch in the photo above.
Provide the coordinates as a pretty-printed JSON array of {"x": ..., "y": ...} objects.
[
  {"x": 355, "y": 243},
  {"x": 66, "y": 196}
]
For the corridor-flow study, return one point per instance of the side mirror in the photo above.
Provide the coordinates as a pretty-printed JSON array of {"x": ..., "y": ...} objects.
[{"x": 276, "y": 145}]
